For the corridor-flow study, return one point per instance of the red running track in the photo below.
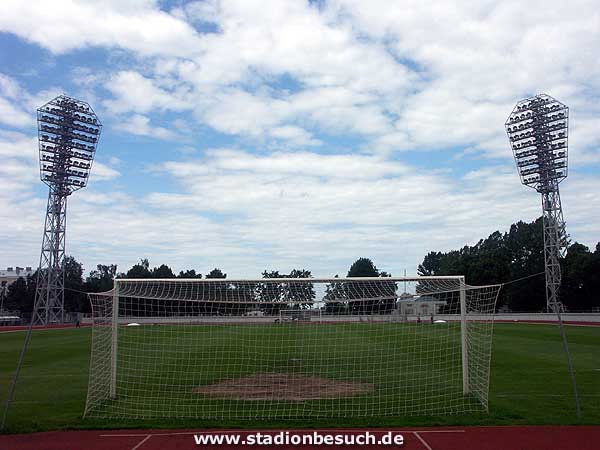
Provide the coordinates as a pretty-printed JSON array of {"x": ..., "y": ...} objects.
[
  {"x": 452, "y": 438},
  {"x": 8, "y": 328}
]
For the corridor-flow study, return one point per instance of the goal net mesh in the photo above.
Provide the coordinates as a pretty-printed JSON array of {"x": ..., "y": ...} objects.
[{"x": 290, "y": 348}]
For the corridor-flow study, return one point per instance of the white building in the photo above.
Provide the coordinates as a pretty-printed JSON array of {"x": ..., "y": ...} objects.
[
  {"x": 422, "y": 306},
  {"x": 9, "y": 276}
]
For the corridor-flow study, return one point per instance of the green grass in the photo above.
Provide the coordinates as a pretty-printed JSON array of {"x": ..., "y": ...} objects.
[
  {"x": 384, "y": 355},
  {"x": 529, "y": 382}
]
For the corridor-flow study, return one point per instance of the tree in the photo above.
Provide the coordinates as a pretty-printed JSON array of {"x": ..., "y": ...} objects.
[
  {"x": 336, "y": 291},
  {"x": 218, "y": 293},
  {"x": 275, "y": 296},
  {"x": 101, "y": 279},
  {"x": 75, "y": 299},
  {"x": 387, "y": 290},
  {"x": 580, "y": 278},
  {"x": 191, "y": 273},
  {"x": 216, "y": 273},
  {"x": 162, "y": 271},
  {"x": 525, "y": 245},
  {"x": 300, "y": 290},
  {"x": 431, "y": 265},
  {"x": 140, "y": 270},
  {"x": 270, "y": 295},
  {"x": 20, "y": 294},
  {"x": 594, "y": 277},
  {"x": 363, "y": 267},
  {"x": 380, "y": 298},
  {"x": 498, "y": 258}
]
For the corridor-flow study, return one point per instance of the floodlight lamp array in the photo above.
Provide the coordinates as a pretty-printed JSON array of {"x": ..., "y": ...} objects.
[
  {"x": 68, "y": 132},
  {"x": 537, "y": 130}
]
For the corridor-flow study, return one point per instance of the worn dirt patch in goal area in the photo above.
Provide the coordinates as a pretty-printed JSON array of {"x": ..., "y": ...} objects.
[{"x": 282, "y": 386}]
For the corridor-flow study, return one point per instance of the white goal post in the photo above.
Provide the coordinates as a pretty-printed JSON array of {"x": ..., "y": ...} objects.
[{"x": 290, "y": 348}]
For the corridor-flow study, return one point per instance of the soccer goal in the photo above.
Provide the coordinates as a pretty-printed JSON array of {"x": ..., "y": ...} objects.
[
  {"x": 290, "y": 348},
  {"x": 299, "y": 315}
]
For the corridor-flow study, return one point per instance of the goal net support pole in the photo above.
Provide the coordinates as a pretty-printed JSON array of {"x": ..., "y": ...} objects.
[
  {"x": 114, "y": 348},
  {"x": 463, "y": 336}
]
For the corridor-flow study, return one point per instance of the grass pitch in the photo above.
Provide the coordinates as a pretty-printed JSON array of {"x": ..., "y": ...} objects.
[
  {"x": 529, "y": 384},
  {"x": 390, "y": 369}
]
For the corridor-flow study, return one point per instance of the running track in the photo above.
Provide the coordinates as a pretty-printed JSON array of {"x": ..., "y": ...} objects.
[
  {"x": 11, "y": 328},
  {"x": 469, "y": 438}
]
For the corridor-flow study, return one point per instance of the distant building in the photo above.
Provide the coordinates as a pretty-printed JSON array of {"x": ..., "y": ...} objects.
[
  {"x": 423, "y": 305},
  {"x": 10, "y": 275}
]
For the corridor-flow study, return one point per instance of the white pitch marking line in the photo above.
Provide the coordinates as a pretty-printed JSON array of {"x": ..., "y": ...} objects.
[
  {"x": 142, "y": 442},
  {"x": 416, "y": 433}
]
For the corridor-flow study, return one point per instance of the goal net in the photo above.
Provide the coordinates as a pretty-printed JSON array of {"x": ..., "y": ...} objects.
[
  {"x": 307, "y": 315},
  {"x": 290, "y": 348}
]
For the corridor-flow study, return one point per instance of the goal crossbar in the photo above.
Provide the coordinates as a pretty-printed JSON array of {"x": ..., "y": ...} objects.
[{"x": 287, "y": 280}]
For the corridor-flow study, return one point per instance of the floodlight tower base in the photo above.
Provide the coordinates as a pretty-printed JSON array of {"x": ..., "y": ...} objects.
[
  {"x": 554, "y": 246},
  {"x": 50, "y": 293}
]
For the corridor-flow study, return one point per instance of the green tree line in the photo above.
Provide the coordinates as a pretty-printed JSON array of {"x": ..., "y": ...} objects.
[
  {"x": 519, "y": 253},
  {"x": 20, "y": 295}
]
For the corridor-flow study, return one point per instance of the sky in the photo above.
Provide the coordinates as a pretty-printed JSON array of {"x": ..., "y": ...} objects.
[{"x": 251, "y": 135}]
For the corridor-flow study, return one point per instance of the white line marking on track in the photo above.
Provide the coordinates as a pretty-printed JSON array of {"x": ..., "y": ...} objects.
[
  {"x": 437, "y": 431},
  {"x": 544, "y": 395},
  {"x": 416, "y": 433},
  {"x": 142, "y": 442},
  {"x": 275, "y": 431},
  {"x": 548, "y": 322}
]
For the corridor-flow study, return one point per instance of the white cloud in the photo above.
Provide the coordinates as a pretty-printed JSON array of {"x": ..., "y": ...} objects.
[
  {"x": 295, "y": 136},
  {"x": 478, "y": 59},
  {"x": 584, "y": 140},
  {"x": 245, "y": 212},
  {"x": 366, "y": 69},
  {"x": 9, "y": 87},
  {"x": 140, "y": 125},
  {"x": 11, "y": 112},
  {"x": 67, "y": 25},
  {"x": 235, "y": 111},
  {"x": 18, "y": 145},
  {"x": 328, "y": 209},
  {"x": 134, "y": 92},
  {"x": 102, "y": 172}
]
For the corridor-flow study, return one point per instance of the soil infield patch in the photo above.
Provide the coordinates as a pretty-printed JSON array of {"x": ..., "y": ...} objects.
[{"x": 281, "y": 386}]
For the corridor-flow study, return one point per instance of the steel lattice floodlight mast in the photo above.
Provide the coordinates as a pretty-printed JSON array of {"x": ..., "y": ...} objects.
[
  {"x": 537, "y": 130},
  {"x": 68, "y": 133}
]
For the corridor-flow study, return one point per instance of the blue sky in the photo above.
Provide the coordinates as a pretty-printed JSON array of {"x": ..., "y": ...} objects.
[{"x": 252, "y": 136}]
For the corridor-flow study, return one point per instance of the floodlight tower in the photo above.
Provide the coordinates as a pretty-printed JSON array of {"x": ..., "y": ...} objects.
[
  {"x": 68, "y": 133},
  {"x": 537, "y": 130}
]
